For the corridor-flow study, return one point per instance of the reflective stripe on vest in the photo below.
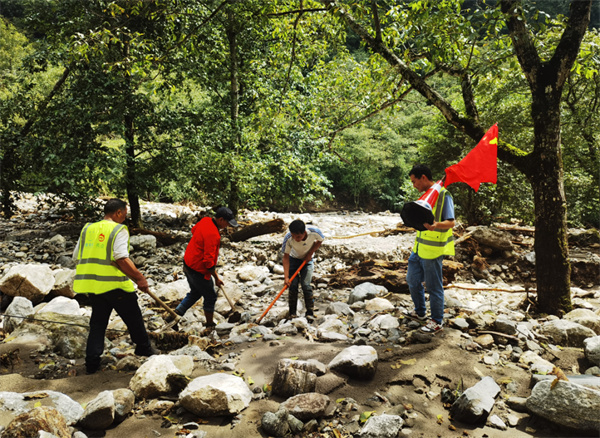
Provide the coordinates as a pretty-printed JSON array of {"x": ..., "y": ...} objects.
[
  {"x": 433, "y": 244},
  {"x": 96, "y": 272}
]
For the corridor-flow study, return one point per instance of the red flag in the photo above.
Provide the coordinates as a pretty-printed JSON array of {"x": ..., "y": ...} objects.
[{"x": 480, "y": 165}]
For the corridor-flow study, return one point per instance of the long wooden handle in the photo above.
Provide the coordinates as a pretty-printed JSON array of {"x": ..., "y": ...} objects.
[
  {"x": 162, "y": 304},
  {"x": 228, "y": 299},
  {"x": 280, "y": 293}
]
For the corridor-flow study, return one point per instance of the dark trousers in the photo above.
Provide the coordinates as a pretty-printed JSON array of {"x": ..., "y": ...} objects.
[
  {"x": 126, "y": 306},
  {"x": 199, "y": 287},
  {"x": 302, "y": 279}
]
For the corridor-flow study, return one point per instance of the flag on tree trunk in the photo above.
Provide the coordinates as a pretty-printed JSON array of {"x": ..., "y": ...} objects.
[{"x": 480, "y": 165}]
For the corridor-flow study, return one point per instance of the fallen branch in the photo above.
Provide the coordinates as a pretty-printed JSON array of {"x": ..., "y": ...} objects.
[{"x": 491, "y": 289}]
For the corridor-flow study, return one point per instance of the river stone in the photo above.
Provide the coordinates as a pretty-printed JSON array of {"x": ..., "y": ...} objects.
[
  {"x": 216, "y": 394},
  {"x": 307, "y": 406},
  {"x": 29, "y": 281},
  {"x": 358, "y": 361},
  {"x": 567, "y": 404}
]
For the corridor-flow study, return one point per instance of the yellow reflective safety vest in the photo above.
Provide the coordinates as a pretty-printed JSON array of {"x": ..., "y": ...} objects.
[
  {"x": 432, "y": 244},
  {"x": 95, "y": 272}
]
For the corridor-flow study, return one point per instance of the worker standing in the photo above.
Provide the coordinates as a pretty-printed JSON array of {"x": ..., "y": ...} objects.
[{"x": 103, "y": 272}]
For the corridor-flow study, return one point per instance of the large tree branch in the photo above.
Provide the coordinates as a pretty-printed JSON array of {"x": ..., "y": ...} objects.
[
  {"x": 468, "y": 125},
  {"x": 521, "y": 39},
  {"x": 565, "y": 55}
]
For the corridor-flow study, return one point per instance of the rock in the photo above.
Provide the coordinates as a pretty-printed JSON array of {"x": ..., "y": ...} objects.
[
  {"x": 339, "y": 309},
  {"x": 384, "y": 322},
  {"x": 586, "y": 318},
  {"x": 566, "y": 404},
  {"x": 216, "y": 394},
  {"x": 363, "y": 292},
  {"x": 382, "y": 426},
  {"x": 589, "y": 381},
  {"x": 566, "y": 333},
  {"x": 29, "y": 281},
  {"x": 486, "y": 341},
  {"x": 251, "y": 272},
  {"x": 275, "y": 424},
  {"x": 459, "y": 323},
  {"x": 143, "y": 242},
  {"x": 64, "y": 334},
  {"x": 537, "y": 365},
  {"x": 290, "y": 380},
  {"x": 307, "y": 406},
  {"x": 592, "y": 349},
  {"x": 496, "y": 239},
  {"x": 62, "y": 305},
  {"x": 379, "y": 305},
  {"x": 39, "y": 419},
  {"x": 505, "y": 325},
  {"x": 99, "y": 413},
  {"x": 496, "y": 422},
  {"x": 12, "y": 403},
  {"x": 475, "y": 404},
  {"x": 359, "y": 362},
  {"x": 19, "y": 307},
  {"x": 63, "y": 283},
  {"x": 124, "y": 402},
  {"x": 157, "y": 376}
]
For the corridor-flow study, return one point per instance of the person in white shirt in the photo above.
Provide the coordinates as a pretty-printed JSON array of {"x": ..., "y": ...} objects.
[{"x": 299, "y": 245}]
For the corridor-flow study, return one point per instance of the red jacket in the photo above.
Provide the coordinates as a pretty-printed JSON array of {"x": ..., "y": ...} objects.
[{"x": 202, "y": 252}]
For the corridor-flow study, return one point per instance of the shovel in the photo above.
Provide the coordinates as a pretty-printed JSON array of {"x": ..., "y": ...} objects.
[
  {"x": 235, "y": 315},
  {"x": 280, "y": 293}
]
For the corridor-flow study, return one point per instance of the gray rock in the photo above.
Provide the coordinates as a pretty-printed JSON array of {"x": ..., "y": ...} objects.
[
  {"x": 43, "y": 418},
  {"x": 340, "y": 309},
  {"x": 99, "y": 413},
  {"x": 359, "y": 361},
  {"x": 63, "y": 283},
  {"x": 275, "y": 423},
  {"x": 586, "y": 318},
  {"x": 29, "y": 281},
  {"x": 291, "y": 380},
  {"x": 566, "y": 404},
  {"x": 364, "y": 291},
  {"x": 382, "y": 426},
  {"x": 505, "y": 325},
  {"x": 143, "y": 242},
  {"x": 19, "y": 307},
  {"x": 216, "y": 394},
  {"x": 475, "y": 404},
  {"x": 566, "y": 333},
  {"x": 307, "y": 406}
]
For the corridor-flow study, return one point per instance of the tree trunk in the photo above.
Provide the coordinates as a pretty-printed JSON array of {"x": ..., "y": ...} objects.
[
  {"x": 274, "y": 226},
  {"x": 234, "y": 195},
  {"x": 130, "y": 184},
  {"x": 553, "y": 270}
]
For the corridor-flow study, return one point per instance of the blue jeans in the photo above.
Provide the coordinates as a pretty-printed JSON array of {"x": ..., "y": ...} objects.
[
  {"x": 199, "y": 287},
  {"x": 429, "y": 271},
  {"x": 303, "y": 278}
]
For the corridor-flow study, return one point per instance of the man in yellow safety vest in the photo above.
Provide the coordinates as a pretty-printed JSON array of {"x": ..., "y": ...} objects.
[
  {"x": 103, "y": 272},
  {"x": 431, "y": 245}
]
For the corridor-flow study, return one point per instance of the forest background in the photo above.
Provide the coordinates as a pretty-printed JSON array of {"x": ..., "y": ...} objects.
[{"x": 285, "y": 105}]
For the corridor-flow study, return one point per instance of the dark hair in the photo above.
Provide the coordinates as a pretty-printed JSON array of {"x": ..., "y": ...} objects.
[
  {"x": 113, "y": 205},
  {"x": 297, "y": 227},
  {"x": 419, "y": 170}
]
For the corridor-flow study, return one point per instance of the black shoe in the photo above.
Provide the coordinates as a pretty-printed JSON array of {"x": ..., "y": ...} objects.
[
  {"x": 146, "y": 351},
  {"x": 91, "y": 369}
]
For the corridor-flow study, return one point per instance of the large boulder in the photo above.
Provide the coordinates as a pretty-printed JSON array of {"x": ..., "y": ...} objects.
[
  {"x": 358, "y": 361},
  {"x": 159, "y": 375},
  {"x": 566, "y": 404},
  {"x": 29, "y": 281},
  {"x": 215, "y": 395}
]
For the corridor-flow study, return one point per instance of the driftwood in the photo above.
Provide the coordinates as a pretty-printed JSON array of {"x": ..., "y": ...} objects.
[
  {"x": 258, "y": 229},
  {"x": 392, "y": 275}
]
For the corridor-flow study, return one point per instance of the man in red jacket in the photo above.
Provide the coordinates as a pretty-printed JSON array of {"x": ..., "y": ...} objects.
[{"x": 200, "y": 262}]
